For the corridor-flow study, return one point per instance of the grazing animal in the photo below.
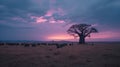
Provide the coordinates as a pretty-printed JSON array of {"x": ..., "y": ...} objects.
[
  {"x": 33, "y": 45},
  {"x": 1, "y": 44},
  {"x": 26, "y": 45},
  {"x": 61, "y": 45}
]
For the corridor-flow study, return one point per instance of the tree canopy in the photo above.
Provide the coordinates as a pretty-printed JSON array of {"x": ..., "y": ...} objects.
[{"x": 81, "y": 31}]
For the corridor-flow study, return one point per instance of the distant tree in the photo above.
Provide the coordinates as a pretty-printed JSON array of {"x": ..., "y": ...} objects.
[{"x": 82, "y": 31}]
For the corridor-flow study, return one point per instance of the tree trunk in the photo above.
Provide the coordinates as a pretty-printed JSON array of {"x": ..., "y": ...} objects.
[{"x": 81, "y": 39}]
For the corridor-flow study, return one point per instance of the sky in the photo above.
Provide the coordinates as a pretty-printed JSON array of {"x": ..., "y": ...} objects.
[{"x": 46, "y": 20}]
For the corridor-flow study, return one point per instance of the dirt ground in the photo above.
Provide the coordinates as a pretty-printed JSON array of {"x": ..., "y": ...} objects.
[{"x": 98, "y": 55}]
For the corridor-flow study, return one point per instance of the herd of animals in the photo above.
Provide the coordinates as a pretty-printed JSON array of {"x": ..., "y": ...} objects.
[{"x": 36, "y": 44}]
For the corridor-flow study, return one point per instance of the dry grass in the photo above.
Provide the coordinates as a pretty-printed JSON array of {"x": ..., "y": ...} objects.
[{"x": 98, "y": 55}]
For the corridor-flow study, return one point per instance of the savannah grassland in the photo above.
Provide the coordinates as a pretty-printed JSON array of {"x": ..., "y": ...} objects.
[{"x": 87, "y": 55}]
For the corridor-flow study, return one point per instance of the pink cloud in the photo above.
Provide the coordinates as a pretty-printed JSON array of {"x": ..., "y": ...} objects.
[
  {"x": 52, "y": 20},
  {"x": 60, "y": 21},
  {"x": 50, "y": 13},
  {"x": 41, "y": 20}
]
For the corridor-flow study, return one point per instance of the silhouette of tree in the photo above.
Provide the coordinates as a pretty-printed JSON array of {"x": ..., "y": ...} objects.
[{"x": 81, "y": 31}]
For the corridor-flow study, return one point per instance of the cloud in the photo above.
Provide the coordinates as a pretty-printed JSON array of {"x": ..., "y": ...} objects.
[
  {"x": 19, "y": 11},
  {"x": 48, "y": 15},
  {"x": 90, "y": 11},
  {"x": 103, "y": 12},
  {"x": 14, "y": 27},
  {"x": 107, "y": 12}
]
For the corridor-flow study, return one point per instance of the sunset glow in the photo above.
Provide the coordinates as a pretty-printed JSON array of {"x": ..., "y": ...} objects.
[
  {"x": 105, "y": 35},
  {"x": 50, "y": 19},
  {"x": 96, "y": 36},
  {"x": 60, "y": 37}
]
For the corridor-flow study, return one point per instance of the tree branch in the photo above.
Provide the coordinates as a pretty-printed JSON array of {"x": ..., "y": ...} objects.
[{"x": 88, "y": 33}]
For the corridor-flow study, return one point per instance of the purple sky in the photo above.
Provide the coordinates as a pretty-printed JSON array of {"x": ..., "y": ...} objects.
[{"x": 50, "y": 19}]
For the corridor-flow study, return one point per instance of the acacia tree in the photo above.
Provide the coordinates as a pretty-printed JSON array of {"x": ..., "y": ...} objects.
[{"x": 81, "y": 31}]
